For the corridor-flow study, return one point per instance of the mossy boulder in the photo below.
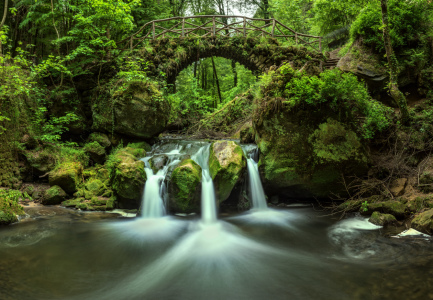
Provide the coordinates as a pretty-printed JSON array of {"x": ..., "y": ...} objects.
[
  {"x": 185, "y": 187},
  {"x": 394, "y": 207},
  {"x": 95, "y": 151},
  {"x": 96, "y": 186},
  {"x": 137, "y": 110},
  {"x": 101, "y": 138},
  {"x": 72, "y": 203},
  {"x": 226, "y": 165},
  {"x": 424, "y": 222},
  {"x": 127, "y": 178},
  {"x": 380, "y": 219},
  {"x": 301, "y": 158},
  {"x": 366, "y": 65},
  {"x": 41, "y": 161},
  {"x": 54, "y": 195},
  {"x": 9, "y": 206},
  {"x": 67, "y": 176}
]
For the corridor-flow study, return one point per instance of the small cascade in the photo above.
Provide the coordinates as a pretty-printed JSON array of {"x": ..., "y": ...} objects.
[
  {"x": 153, "y": 201},
  {"x": 257, "y": 194},
  {"x": 208, "y": 207}
]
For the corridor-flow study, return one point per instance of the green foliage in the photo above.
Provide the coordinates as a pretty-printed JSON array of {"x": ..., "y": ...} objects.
[
  {"x": 364, "y": 206},
  {"x": 332, "y": 142},
  {"x": 344, "y": 94},
  {"x": 52, "y": 130},
  {"x": 9, "y": 206},
  {"x": 410, "y": 23}
]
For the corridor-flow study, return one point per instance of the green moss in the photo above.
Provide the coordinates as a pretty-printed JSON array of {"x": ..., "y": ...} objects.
[
  {"x": 67, "y": 176},
  {"x": 72, "y": 203},
  {"x": 101, "y": 138},
  {"x": 140, "y": 145},
  {"x": 226, "y": 164},
  {"x": 185, "y": 181},
  {"x": 380, "y": 219},
  {"x": 424, "y": 222},
  {"x": 9, "y": 206},
  {"x": 54, "y": 195},
  {"x": 94, "y": 148}
]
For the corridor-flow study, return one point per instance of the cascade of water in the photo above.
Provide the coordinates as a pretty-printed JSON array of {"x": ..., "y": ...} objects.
[
  {"x": 257, "y": 194},
  {"x": 154, "y": 190},
  {"x": 208, "y": 207}
]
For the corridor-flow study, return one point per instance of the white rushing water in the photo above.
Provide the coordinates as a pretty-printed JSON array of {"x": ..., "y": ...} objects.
[
  {"x": 153, "y": 196},
  {"x": 257, "y": 194},
  {"x": 208, "y": 206}
]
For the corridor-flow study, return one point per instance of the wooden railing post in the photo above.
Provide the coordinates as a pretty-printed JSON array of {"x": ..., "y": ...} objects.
[
  {"x": 273, "y": 27},
  {"x": 213, "y": 26},
  {"x": 183, "y": 27},
  {"x": 153, "y": 30},
  {"x": 245, "y": 27}
]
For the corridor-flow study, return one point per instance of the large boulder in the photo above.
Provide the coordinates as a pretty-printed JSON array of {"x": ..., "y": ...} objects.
[
  {"x": 95, "y": 151},
  {"x": 311, "y": 137},
  {"x": 128, "y": 177},
  {"x": 137, "y": 110},
  {"x": 380, "y": 219},
  {"x": 302, "y": 159},
  {"x": 54, "y": 195},
  {"x": 67, "y": 176},
  {"x": 185, "y": 187},
  {"x": 226, "y": 166},
  {"x": 365, "y": 65},
  {"x": 424, "y": 222}
]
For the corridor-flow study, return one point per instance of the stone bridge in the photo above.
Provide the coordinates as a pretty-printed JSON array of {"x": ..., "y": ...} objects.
[{"x": 170, "y": 45}]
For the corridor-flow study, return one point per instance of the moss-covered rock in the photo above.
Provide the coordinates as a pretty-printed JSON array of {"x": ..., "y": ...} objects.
[
  {"x": 309, "y": 138},
  {"x": 54, "y": 195},
  {"x": 41, "y": 161},
  {"x": 185, "y": 187},
  {"x": 67, "y": 176},
  {"x": 96, "y": 186},
  {"x": 424, "y": 222},
  {"x": 137, "y": 110},
  {"x": 127, "y": 177},
  {"x": 380, "y": 219},
  {"x": 101, "y": 138},
  {"x": 72, "y": 203},
  {"x": 9, "y": 207},
  {"x": 95, "y": 151},
  {"x": 226, "y": 166}
]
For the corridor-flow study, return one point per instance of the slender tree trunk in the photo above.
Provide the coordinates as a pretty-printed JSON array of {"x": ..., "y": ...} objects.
[
  {"x": 216, "y": 79},
  {"x": 195, "y": 69},
  {"x": 235, "y": 74},
  {"x": 5, "y": 12},
  {"x": 395, "y": 92}
]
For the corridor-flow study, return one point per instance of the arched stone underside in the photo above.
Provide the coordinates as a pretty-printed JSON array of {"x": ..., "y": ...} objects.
[{"x": 166, "y": 58}]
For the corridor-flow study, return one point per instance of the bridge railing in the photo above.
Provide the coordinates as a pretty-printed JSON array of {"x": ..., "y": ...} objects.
[{"x": 219, "y": 25}]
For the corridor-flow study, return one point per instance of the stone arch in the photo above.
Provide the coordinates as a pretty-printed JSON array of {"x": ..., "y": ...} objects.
[{"x": 168, "y": 57}]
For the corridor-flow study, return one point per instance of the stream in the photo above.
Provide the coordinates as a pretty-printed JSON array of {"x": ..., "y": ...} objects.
[{"x": 297, "y": 252}]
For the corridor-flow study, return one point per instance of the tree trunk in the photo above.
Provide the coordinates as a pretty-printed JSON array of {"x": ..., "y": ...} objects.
[
  {"x": 235, "y": 74},
  {"x": 216, "y": 79},
  {"x": 395, "y": 92},
  {"x": 3, "y": 21}
]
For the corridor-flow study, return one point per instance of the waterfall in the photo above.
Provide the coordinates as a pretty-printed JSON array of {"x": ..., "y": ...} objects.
[
  {"x": 154, "y": 189},
  {"x": 257, "y": 194},
  {"x": 208, "y": 207}
]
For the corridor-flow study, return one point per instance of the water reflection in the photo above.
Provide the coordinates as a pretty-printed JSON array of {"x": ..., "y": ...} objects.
[{"x": 302, "y": 256}]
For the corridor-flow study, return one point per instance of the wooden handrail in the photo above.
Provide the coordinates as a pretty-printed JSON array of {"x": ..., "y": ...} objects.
[{"x": 211, "y": 26}]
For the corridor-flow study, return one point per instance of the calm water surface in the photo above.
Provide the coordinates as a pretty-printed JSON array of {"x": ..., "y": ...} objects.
[{"x": 286, "y": 254}]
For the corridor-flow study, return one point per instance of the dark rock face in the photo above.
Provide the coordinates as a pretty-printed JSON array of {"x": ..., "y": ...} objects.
[{"x": 137, "y": 111}]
